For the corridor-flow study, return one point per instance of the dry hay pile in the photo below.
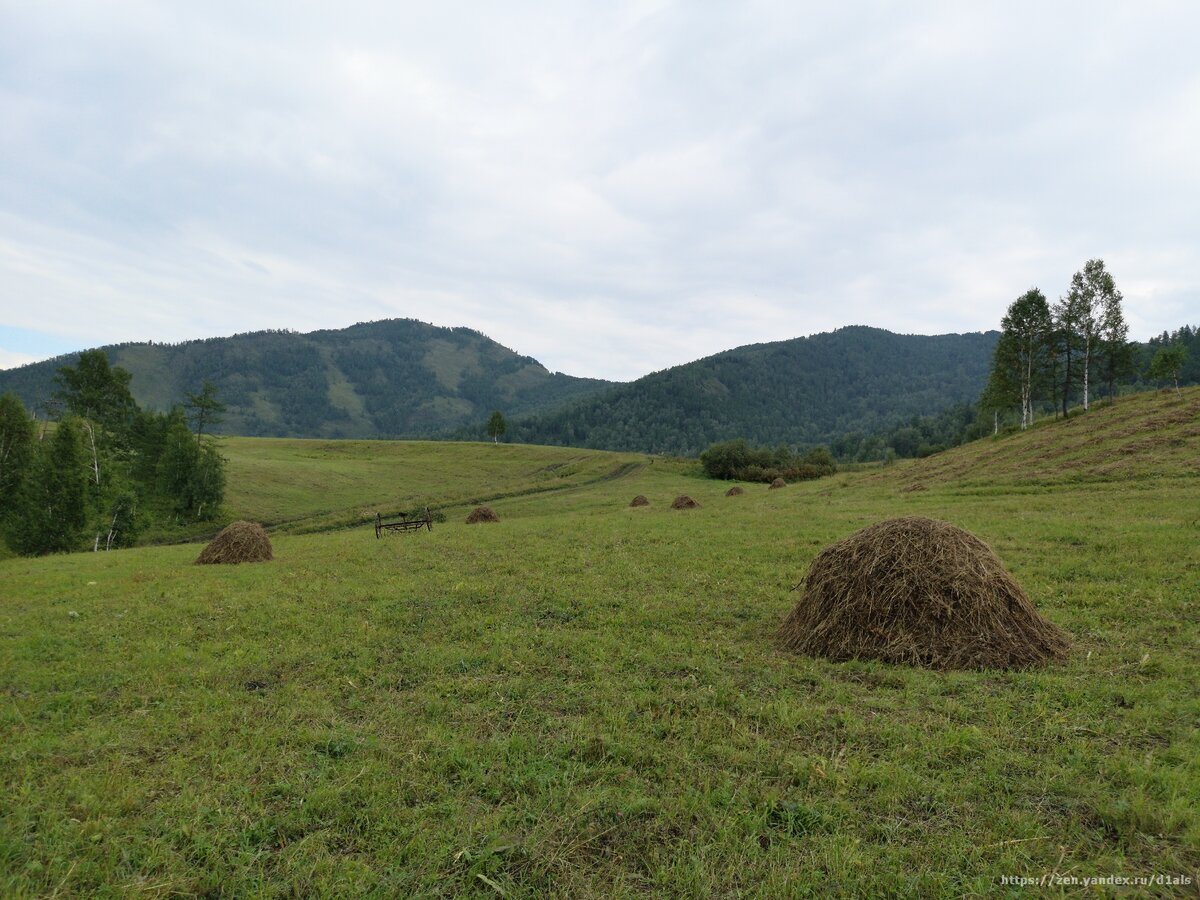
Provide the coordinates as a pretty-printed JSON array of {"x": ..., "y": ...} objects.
[
  {"x": 639, "y": 500},
  {"x": 777, "y": 483},
  {"x": 238, "y": 542},
  {"x": 735, "y": 491},
  {"x": 482, "y": 514},
  {"x": 683, "y": 501},
  {"x": 920, "y": 592}
]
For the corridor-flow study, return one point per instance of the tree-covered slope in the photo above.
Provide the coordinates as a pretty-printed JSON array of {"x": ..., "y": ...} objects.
[
  {"x": 397, "y": 377},
  {"x": 801, "y": 391}
]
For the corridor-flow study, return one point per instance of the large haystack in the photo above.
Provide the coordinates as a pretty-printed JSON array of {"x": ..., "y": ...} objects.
[
  {"x": 777, "y": 484},
  {"x": 238, "y": 542},
  {"x": 735, "y": 491},
  {"x": 639, "y": 500},
  {"x": 482, "y": 514},
  {"x": 683, "y": 501},
  {"x": 917, "y": 591}
]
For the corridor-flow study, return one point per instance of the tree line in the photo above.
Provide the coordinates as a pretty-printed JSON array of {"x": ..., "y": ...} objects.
[
  {"x": 1048, "y": 357},
  {"x": 99, "y": 469}
]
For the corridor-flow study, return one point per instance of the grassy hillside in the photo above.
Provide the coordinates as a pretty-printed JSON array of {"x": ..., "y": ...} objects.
[
  {"x": 377, "y": 379},
  {"x": 587, "y": 700},
  {"x": 298, "y": 485},
  {"x": 1143, "y": 437}
]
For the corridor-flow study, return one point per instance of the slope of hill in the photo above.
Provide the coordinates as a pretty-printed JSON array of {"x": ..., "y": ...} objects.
[
  {"x": 800, "y": 391},
  {"x": 397, "y": 377},
  {"x": 1146, "y": 436},
  {"x": 313, "y": 485}
]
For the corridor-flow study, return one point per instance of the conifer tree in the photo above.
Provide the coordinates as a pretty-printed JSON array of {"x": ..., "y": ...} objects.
[
  {"x": 192, "y": 476},
  {"x": 51, "y": 510},
  {"x": 204, "y": 409},
  {"x": 16, "y": 449}
]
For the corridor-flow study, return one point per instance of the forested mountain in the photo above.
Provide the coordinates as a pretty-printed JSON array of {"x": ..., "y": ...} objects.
[
  {"x": 801, "y": 391},
  {"x": 394, "y": 378}
]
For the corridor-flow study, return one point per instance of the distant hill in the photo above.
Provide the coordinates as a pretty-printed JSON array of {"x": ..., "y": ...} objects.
[
  {"x": 403, "y": 378},
  {"x": 394, "y": 378},
  {"x": 801, "y": 391}
]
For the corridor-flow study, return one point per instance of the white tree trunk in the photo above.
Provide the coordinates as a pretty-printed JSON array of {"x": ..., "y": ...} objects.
[
  {"x": 1087, "y": 365},
  {"x": 111, "y": 534},
  {"x": 1027, "y": 387},
  {"x": 91, "y": 430}
]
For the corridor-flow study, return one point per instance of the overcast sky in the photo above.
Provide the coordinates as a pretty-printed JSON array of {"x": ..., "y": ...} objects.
[{"x": 612, "y": 188}]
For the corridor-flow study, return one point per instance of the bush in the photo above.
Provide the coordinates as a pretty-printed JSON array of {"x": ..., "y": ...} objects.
[
  {"x": 725, "y": 459},
  {"x": 738, "y": 460}
]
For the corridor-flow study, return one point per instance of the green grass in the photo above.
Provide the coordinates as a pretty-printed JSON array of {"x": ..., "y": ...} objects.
[
  {"x": 313, "y": 485},
  {"x": 586, "y": 699}
]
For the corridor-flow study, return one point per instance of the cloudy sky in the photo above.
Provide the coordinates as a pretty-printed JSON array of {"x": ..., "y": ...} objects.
[{"x": 610, "y": 187}]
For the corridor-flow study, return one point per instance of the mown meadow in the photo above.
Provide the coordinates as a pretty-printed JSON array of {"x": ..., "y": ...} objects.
[{"x": 587, "y": 700}]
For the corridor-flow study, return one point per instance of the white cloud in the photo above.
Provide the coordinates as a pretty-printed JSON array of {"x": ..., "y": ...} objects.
[
  {"x": 612, "y": 188},
  {"x": 11, "y": 360}
]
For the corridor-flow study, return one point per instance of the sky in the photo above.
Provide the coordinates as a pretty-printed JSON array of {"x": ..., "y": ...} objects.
[{"x": 612, "y": 187}]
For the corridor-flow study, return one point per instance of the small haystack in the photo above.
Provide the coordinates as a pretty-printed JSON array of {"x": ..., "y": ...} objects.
[
  {"x": 683, "y": 501},
  {"x": 917, "y": 591},
  {"x": 482, "y": 514},
  {"x": 735, "y": 491},
  {"x": 777, "y": 483},
  {"x": 238, "y": 542},
  {"x": 639, "y": 500}
]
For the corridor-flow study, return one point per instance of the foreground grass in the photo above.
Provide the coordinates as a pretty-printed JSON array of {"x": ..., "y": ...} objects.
[{"x": 586, "y": 700}]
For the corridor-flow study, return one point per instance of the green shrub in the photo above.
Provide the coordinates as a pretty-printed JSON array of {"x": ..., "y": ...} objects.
[{"x": 738, "y": 460}]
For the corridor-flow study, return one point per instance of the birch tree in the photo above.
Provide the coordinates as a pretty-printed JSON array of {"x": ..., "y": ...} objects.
[
  {"x": 496, "y": 426},
  {"x": 1117, "y": 353},
  {"x": 1167, "y": 363},
  {"x": 1022, "y": 358},
  {"x": 1066, "y": 344},
  {"x": 1093, "y": 297},
  {"x": 98, "y": 394}
]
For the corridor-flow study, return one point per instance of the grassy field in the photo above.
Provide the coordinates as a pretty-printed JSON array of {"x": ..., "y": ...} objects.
[
  {"x": 304, "y": 485},
  {"x": 587, "y": 700}
]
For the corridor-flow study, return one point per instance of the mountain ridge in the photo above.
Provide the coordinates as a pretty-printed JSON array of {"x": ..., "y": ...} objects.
[
  {"x": 799, "y": 391},
  {"x": 387, "y": 378},
  {"x": 398, "y": 378}
]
